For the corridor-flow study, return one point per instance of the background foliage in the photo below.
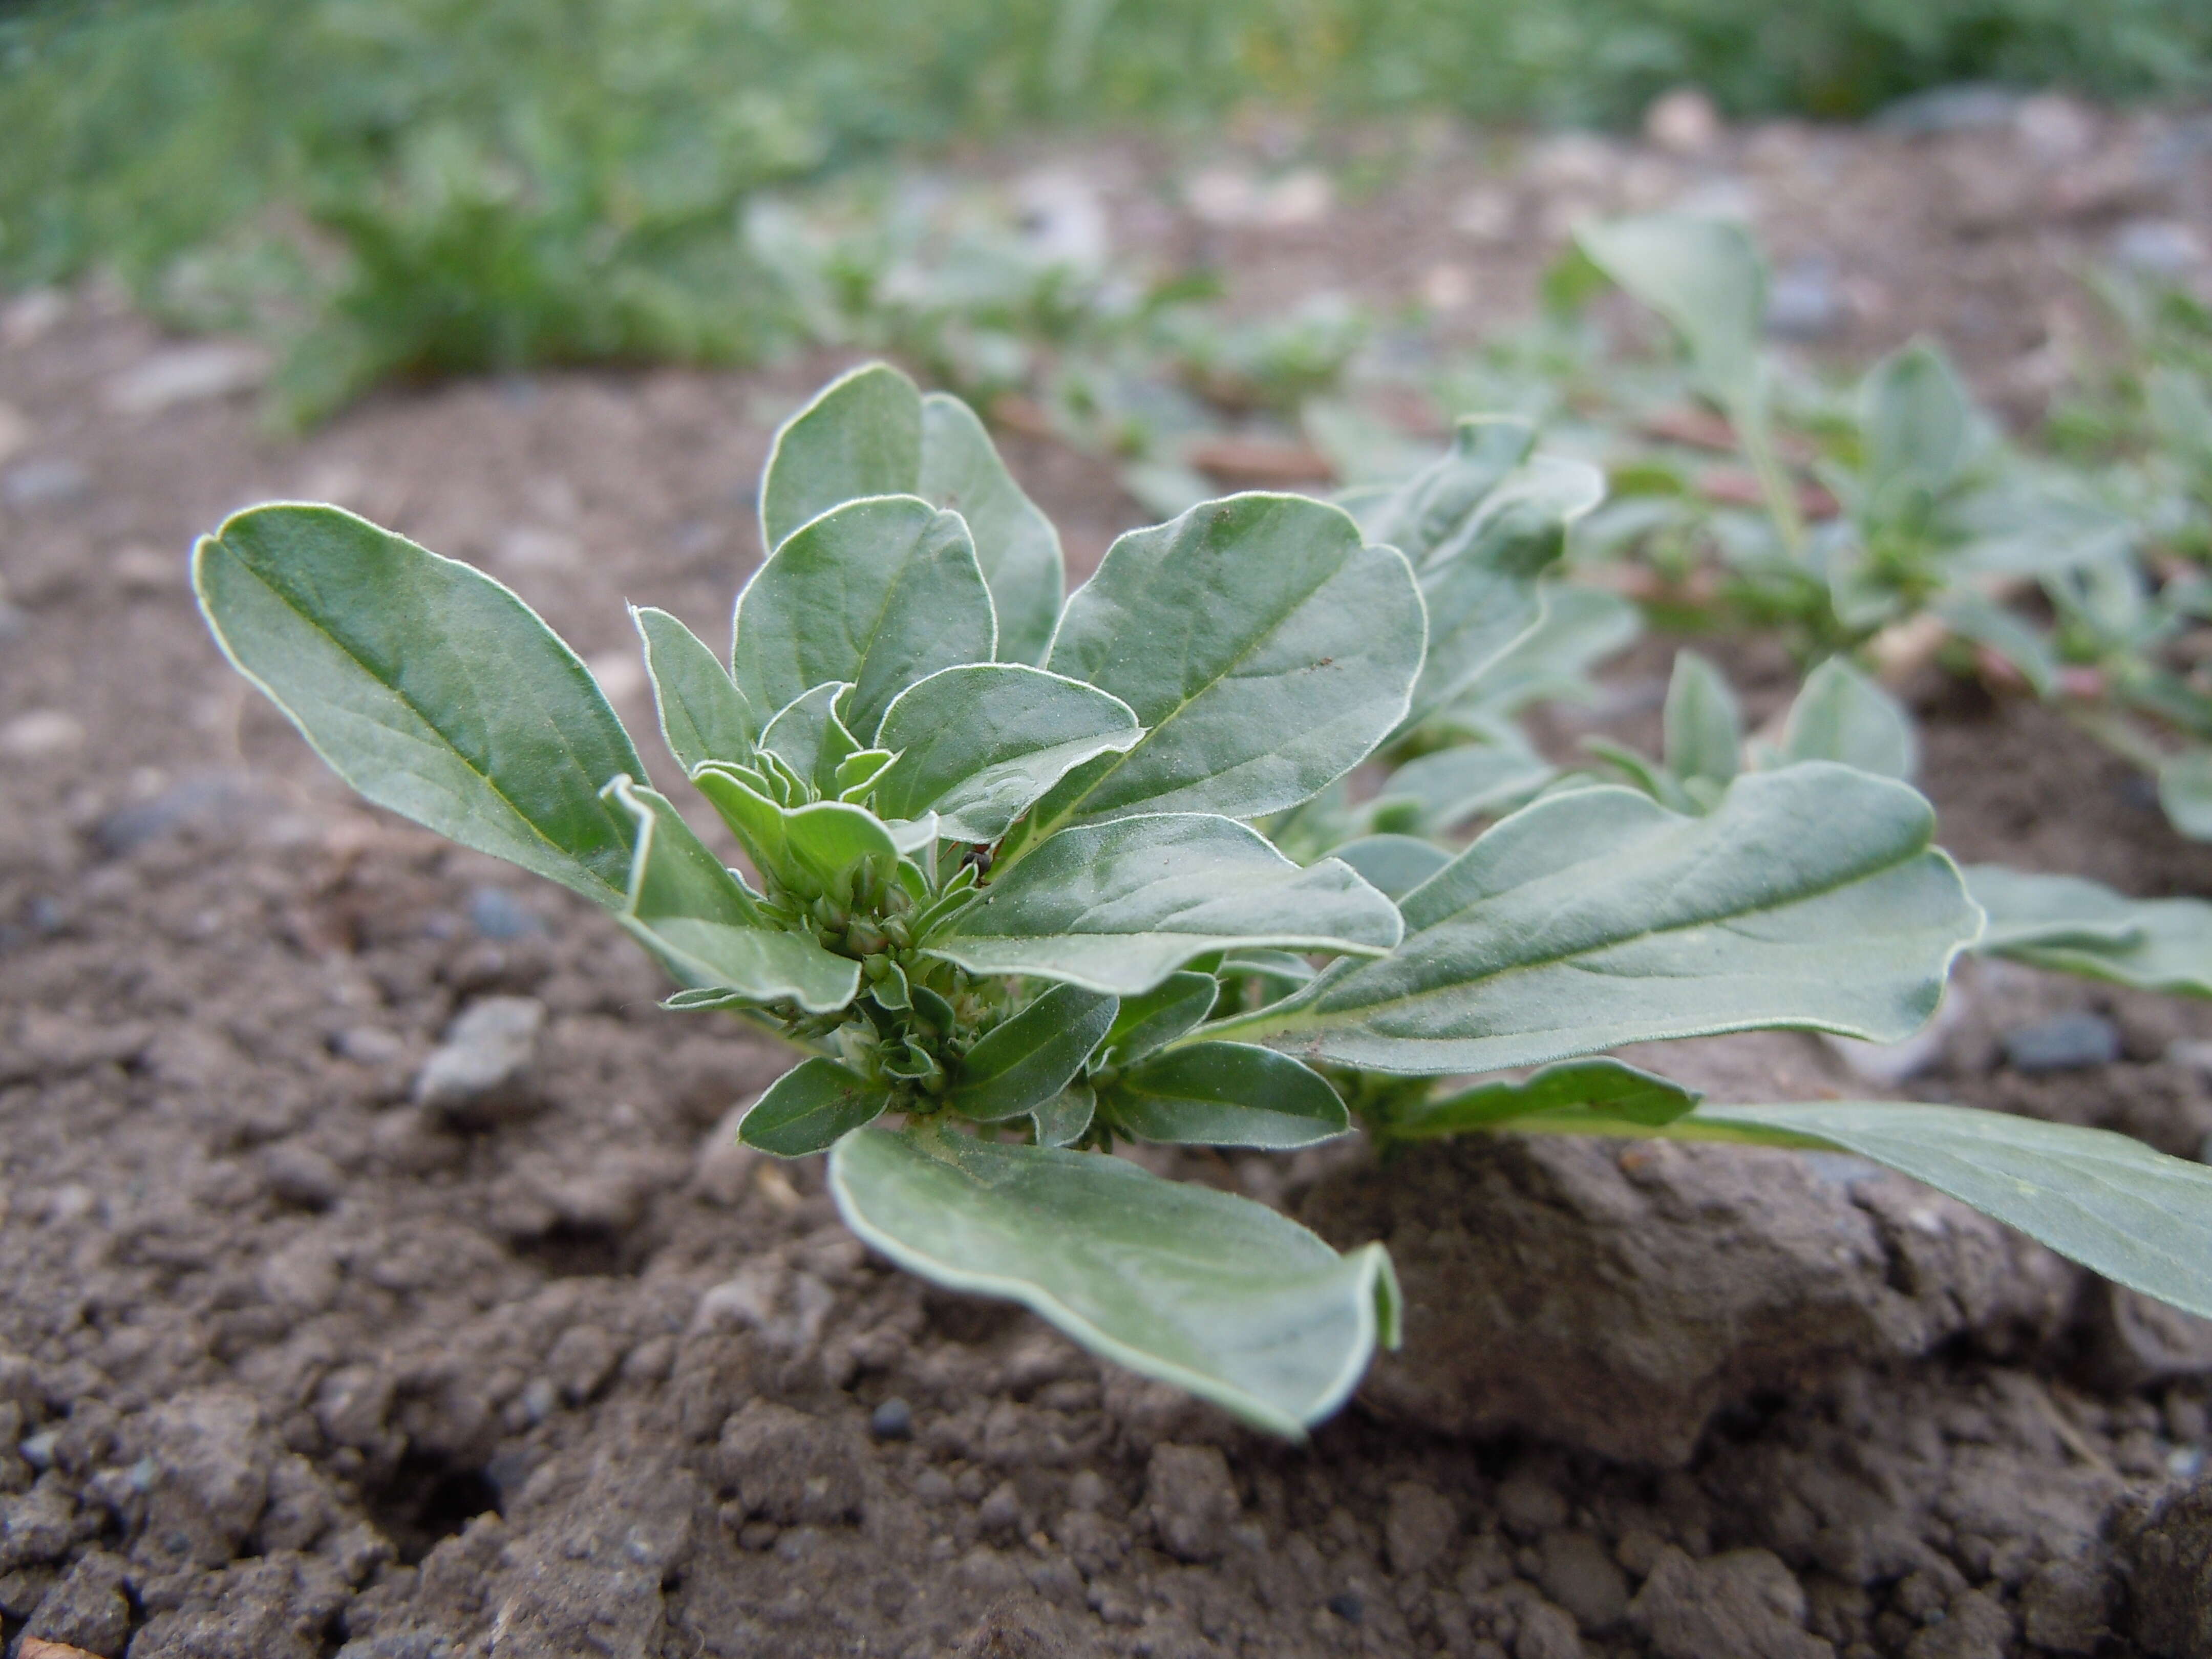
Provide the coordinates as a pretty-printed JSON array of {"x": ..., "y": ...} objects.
[{"x": 490, "y": 182}]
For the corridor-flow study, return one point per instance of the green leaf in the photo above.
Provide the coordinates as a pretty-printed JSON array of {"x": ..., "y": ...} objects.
[
  {"x": 1842, "y": 715},
  {"x": 879, "y": 592},
  {"x": 706, "y": 929},
  {"x": 2077, "y": 927},
  {"x": 1152, "y": 1019},
  {"x": 1576, "y": 627},
  {"x": 426, "y": 686},
  {"x": 1019, "y": 1065},
  {"x": 872, "y": 434},
  {"x": 1214, "y": 1293},
  {"x": 1917, "y": 421},
  {"x": 1703, "y": 727},
  {"x": 808, "y": 735},
  {"x": 1223, "y": 1094},
  {"x": 1810, "y": 897},
  {"x": 804, "y": 848},
  {"x": 1015, "y": 543},
  {"x": 1975, "y": 616},
  {"x": 1432, "y": 513},
  {"x": 1393, "y": 864},
  {"x": 810, "y": 1107},
  {"x": 1705, "y": 277},
  {"x": 1066, "y": 1118},
  {"x": 2184, "y": 790},
  {"x": 980, "y": 744},
  {"x": 861, "y": 437},
  {"x": 703, "y": 715},
  {"x": 2141, "y": 1219},
  {"x": 1480, "y": 589},
  {"x": 1118, "y": 906},
  {"x": 1265, "y": 649},
  {"x": 1602, "y": 1088},
  {"x": 1441, "y": 791}
]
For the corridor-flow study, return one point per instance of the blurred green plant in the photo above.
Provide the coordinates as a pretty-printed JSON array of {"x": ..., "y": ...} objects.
[{"x": 425, "y": 186}]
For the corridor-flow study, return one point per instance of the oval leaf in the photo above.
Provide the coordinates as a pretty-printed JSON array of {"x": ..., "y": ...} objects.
[
  {"x": 810, "y": 1107},
  {"x": 878, "y": 593},
  {"x": 1018, "y": 1066},
  {"x": 1224, "y": 1094},
  {"x": 1264, "y": 647},
  {"x": 1120, "y": 906},
  {"x": 980, "y": 744},
  {"x": 703, "y": 715},
  {"x": 1842, "y": 715},
  {"x": 1702, "y": 726},
  {"x": 1015, "y": 543},
  {"x": 426, "y": 686},
  {"x": 1810, "y": 897},
  {"x": 1704, "y": 277},
  {"x": 861, "y": 435},
  {"x": 872, "y": 434},
  {"x": 1208, "y": 1291},
  {"x": 1393, "y": 864},
  {"x": 1152, "y": 1019},
  {"x": 2141, "y": 1219},
  {"x": 1066, "y": 1118}
]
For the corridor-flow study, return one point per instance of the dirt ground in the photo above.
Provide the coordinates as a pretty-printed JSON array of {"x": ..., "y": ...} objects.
[{"x": 292, "y": 1364}]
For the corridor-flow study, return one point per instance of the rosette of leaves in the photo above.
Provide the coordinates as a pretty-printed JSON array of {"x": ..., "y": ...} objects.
[{"x": 1001, "y": 890}]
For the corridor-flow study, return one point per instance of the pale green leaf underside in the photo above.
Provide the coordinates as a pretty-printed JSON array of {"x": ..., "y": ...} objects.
[
  {"x": 1393, "y": 864},
  {"x": 2077, "y": 927},
  {"x": 1211, "y": 1292},
  {"x": 1480, "y": 589},
  {"x": 1263, "y": 648},
  {"x": 1704, "y": 277},
  {"x": 1702, "y": 726},
  {"x": 426, "y": 686},
  {"x": 1439, "y": 791},
  {"x": 980, "y": 744},
  {"x": 878, "y": 593},
  {"x": 2141, "y": 1219},
  {"x": 1842, "y": 715},
  {"x": 1430, "y": 515},
  {"x": 1810, "y": 897},
  {"x": 703, "y": 715},
  {"x": 1120, "y": 906}
]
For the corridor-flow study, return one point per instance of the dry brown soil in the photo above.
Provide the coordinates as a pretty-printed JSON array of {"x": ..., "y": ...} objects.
[{"x": 290, "y": 1366}]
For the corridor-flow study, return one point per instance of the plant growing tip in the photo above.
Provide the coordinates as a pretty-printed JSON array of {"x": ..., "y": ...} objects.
[{"x": 1004, "y": 889}]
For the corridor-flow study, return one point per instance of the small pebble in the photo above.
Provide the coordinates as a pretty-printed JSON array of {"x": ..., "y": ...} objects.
[
  {"x": 45, "y": 483},
  {"x": 497, "y": 914},
  {"x": 892, "y": 1420},
  {"x": 2065, "y": 1042},
  {"x": 1348, "y": 1607}
]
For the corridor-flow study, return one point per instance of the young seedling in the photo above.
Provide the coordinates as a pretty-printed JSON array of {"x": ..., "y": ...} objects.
[{"x": 1005, "y": 896}]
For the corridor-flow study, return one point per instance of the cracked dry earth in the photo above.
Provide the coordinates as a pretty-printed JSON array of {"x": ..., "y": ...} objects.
[{"x": 377, "y": 1277}]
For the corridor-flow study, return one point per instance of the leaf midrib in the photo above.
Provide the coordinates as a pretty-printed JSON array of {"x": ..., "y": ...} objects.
[{"x": 415, "y": 709}]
